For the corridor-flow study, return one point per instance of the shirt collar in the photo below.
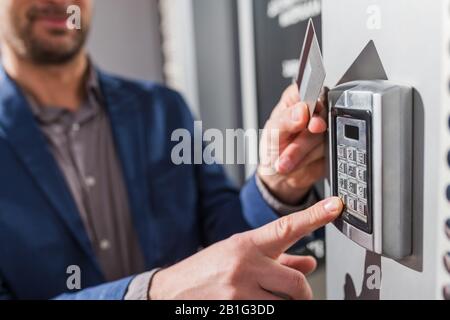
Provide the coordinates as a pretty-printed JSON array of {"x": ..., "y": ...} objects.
[
  {"x": 89, "y": 107},
  {"x": 93, "y": 85}
]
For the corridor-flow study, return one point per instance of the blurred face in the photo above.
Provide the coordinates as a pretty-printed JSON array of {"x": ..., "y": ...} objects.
[{"x": 37, "y": 29}]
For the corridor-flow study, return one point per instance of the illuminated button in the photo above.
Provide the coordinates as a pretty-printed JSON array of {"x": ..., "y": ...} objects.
[
  {"x": 361, "y": 158},
  {"x": 362, "y": 191},
  {"x": 341, "y": 152},
  {"x": 351, "y": 154},
  {"x": 353, "y": 187},
  {"x": 352, "y": 203},
  {"x": 342, "y": 182},
  {"x": 362, "y": 174},
  {"x": 352, "y": 171},
  {"x": 342, "y": 167},
  {"x": 447, "y": 262},
  {"x": 361, "y": 208}
]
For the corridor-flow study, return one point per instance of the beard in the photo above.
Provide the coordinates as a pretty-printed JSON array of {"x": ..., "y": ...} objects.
[{"x": 59, "y": 46}]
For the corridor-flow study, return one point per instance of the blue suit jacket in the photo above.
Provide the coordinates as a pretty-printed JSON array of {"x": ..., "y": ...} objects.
[{"x": 175, "y": 209}]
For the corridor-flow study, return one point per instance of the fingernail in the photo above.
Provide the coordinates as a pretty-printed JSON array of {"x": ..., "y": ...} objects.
[
  {"x": 284, "y": 164},
  {"x": 296, "y": 113},
  {"x": 333, "y": 205}
]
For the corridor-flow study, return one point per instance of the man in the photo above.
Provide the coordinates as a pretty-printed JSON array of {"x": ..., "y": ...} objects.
[{"x": 89, "y": 189}]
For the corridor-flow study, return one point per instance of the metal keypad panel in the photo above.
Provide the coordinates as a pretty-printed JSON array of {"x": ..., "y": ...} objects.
[{"x": 352, "y": 168}]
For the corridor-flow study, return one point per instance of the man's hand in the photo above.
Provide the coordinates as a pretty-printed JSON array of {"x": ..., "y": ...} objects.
[
  {"x": 292, "y": 148},
  {"x": 250, "y": 266}
]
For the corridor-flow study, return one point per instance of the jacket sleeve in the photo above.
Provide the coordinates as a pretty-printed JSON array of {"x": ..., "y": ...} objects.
[{"x": 108, "y": 291}]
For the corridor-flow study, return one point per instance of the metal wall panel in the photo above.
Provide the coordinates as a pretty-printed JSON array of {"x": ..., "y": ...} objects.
[{"x": 414, "y": 54}]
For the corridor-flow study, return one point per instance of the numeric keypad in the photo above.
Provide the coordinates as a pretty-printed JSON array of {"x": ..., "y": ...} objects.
[{"x": 352, "y": 180}]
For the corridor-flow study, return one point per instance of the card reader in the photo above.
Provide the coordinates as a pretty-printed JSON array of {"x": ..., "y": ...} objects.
[{"x": 370, "y": 140}]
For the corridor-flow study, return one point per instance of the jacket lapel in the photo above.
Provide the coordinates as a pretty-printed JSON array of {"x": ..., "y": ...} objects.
[
  {"x": 129, "y": 132},
  {"x": 21, "y": 131}
]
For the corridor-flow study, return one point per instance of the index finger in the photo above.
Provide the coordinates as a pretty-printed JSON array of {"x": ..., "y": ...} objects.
[{"x": 275, "y": 238}]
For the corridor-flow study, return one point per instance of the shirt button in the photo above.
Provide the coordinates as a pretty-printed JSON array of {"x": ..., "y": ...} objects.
[
  {"x": 76, "y": 127},
  {"x": 105, "y": 245},
  {"x": 90, "y": 182}
]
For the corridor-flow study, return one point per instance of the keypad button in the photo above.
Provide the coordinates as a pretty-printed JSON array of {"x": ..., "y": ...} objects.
[
  {"x": 352, "y": 203},
  {"x": 362, "y": 191},
  {"x": 342, "y": 182},
  {"x": 361, "y": 208},
  {"x": 351, "y": 154},
  {"x": 342, "y": 152},
  {"x": 352, "y": 171},
  {"x": 353, "y": 187},
  {"x": 342, "y": 167},
  {"x": 343, "y": 197},
  {"x": 362, "y": 174},
  {"x": 361, "y": 158}
]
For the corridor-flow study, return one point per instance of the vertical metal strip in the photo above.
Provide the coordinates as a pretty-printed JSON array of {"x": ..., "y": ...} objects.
[
  {"x": 179, "y": 49},
  {"x": 248, "y": 73}
]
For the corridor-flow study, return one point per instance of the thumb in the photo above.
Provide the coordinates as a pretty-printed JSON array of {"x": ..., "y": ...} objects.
[
  {"x": 288, "y": 121},
  {"x": 292, "y": 120},
  {"x": 277, "y": 237}
]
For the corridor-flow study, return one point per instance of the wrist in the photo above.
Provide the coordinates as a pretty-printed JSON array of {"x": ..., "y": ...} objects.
[
  {"x": 156, "y": 286},
  {"x": 279, "y": 187}
]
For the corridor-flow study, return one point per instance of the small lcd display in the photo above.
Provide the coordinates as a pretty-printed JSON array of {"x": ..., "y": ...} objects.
[{"x": 352, "y": 132}]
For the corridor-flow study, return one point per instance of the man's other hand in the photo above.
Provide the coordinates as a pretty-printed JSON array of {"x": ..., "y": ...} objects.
[{"x": 292, "y": 150}]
